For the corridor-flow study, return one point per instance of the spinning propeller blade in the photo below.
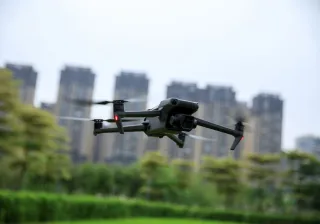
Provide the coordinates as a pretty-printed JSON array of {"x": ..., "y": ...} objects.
[
  {"x": 89, "y": 119},
  {"x": 239, "y": 118},
  {"x": 199, "y": 137},
  {"x": 75, "y": 118},
  {"x": 247, "y": 128},
  {"x": 83, "y": 102}
]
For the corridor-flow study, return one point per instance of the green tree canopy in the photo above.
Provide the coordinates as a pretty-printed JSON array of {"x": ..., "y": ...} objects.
[{"x": 10, "y": 126}]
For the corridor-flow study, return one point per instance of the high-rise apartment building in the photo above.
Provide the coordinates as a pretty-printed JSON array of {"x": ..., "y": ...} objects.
[
  {"x": 309, "y": 144},
  {"x": 127, "y": 148},
  {"x": 76, "y": 83},
  {"x": 219, "y": 105},
  {"x": 28, "y": 78},
  {"x": 268, "y": 111}
]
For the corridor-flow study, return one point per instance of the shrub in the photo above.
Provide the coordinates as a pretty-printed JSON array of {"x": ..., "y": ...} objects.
[{"x": 21, "y": 207}]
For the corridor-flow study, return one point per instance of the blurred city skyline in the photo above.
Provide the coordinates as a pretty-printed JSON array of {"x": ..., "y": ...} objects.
[{"x": 253, "y": 46}]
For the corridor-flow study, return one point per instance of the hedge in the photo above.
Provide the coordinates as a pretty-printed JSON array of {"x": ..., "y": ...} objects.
[{"x": 22, "y": 207}]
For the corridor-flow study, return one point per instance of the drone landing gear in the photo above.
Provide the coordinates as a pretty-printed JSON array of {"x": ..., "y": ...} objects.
[{"x": 178, "y": 140}]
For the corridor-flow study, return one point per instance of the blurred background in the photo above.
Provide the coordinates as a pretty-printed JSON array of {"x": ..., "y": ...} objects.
[{"x": 258, "y": 57}]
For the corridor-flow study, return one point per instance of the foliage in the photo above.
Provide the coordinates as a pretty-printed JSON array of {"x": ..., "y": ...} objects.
[
  {"x": 262, "y": 174},
  {"x": 30, "y": 139},
  {"x": 155, "y": 176},
  {"x": 29, "y": 207},
  {"x": 10, "y": 126},
  {"x": 303, "y": 179},
  {"x": 225, "y": 174}
]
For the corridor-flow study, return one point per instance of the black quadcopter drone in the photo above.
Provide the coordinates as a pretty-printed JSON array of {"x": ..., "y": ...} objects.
[{"x": 171, "y": 118}]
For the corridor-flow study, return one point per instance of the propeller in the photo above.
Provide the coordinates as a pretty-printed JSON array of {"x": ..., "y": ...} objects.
[
  {"x": 239, "y": 118},
  {"x": 199, "y": 137},
  {"x": 83, "y": 102},
  {"x": 89, "y": 119}
]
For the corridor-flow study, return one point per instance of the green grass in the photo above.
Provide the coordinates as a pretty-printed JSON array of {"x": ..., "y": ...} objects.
[{"x": 145, "y": 221}]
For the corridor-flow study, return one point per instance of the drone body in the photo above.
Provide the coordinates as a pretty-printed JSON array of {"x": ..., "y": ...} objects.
[{"x": 171, "y": 118}]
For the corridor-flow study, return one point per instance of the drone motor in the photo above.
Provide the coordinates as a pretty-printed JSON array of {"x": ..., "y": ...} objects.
[
  {"x": 98, "y": 124},
  {"x": 118, "y": 106}
]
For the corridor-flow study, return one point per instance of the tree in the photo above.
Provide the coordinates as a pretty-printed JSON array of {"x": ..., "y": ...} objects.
[
  {"x": 10, "y": 127},
  {"x": 262, "y": 172},
  {"x": 158, "y": 181},
  {"x": 44, "y": 146},
  {"x": 183, "y": 171},
  {"x": 133, "y": 180},
  {"x": 91, "y": 179},
  {"x": 303, "y": 180},
  {"x": 226, "y": 175}
]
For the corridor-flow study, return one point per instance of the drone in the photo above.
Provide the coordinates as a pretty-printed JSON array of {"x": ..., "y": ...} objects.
[{"x": 172, "y": 118}]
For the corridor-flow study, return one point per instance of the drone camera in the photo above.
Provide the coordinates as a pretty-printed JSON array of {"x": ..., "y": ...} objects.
[
  {"x": 183, "y": 122},
  {"x": 187, "y": 123}
]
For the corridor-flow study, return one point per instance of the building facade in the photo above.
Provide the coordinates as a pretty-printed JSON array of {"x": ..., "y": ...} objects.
[
  {"x": 219, "y": 106},
  {"x": 309, "y": 144},
  {"x": 268, "y": 112},
  {"x": 28, "y": 81},
  {"x": 127, "y": 148},
  {"x": 76, "y": 83}
]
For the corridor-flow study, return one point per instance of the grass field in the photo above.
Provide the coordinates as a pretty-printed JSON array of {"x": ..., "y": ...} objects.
[{"x": 146, "y": 221}]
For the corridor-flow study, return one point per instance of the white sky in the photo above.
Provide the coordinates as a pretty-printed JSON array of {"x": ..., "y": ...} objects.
[{"x": 253, "y": 45}]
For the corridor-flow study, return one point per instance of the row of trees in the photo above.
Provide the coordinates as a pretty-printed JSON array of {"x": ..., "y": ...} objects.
[
  {"x": 256, "y": 185},
  {"x": 34, "y": 156}
]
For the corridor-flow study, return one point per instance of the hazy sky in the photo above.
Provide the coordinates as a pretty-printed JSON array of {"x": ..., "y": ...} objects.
[{"x": 254, "y": 45}]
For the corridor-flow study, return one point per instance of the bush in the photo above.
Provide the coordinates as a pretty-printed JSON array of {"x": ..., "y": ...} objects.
[{"x": 21, "y": 207}]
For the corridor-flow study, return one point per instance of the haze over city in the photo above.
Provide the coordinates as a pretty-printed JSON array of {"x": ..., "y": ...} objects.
[{"x": 254, "y": 46}]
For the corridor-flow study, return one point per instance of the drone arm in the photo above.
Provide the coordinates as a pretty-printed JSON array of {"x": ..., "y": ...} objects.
[
  {"x": 235, "y": 133},
  {"x": 131, "y": 128},
  {"x": 152, "y": 113},
  {"x": 177, "y": 140},
  {"x": 209, "y": 125}
]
